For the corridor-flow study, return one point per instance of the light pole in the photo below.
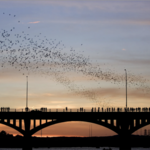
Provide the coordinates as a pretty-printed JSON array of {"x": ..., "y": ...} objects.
[
  {"x": 126, "y": 86},
  {"x": 27, "y": 95}
]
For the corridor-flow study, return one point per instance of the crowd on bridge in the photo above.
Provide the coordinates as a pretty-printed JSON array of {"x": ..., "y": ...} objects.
[
  {"x": 112, "y": 109},
  {"x": 131, "y": 109}
]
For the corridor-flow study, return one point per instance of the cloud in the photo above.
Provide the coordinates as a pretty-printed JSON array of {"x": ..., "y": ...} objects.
[
  {"x": 34, "y": 22},
  {"x": 133, "y": 61},
  {"x": 99, "y": 5},
  {"x": 48, "y": 94},
  {"x": 115, "y": 93},
  {"x": 102, "y": 21}
]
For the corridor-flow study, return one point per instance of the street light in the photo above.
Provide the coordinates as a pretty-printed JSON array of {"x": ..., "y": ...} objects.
[
  {"x": 26, "y": 95},
  {"x": 126, "y": 86}
]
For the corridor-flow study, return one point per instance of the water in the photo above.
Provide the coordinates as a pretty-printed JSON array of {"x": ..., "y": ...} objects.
[{"x": 75, "y": 148}]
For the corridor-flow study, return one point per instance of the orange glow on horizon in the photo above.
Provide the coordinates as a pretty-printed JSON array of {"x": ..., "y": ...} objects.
[{"x": 52, "y": 135}]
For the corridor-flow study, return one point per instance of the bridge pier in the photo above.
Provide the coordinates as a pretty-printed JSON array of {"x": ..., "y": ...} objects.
[
  {"x": 125, "y": 142},
  {"x": 124, "y": 134},
  {"x": 27, "y": 145}
]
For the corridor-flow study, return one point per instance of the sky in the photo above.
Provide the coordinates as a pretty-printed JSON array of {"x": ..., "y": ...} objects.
[{"x": 91, "y": 43}]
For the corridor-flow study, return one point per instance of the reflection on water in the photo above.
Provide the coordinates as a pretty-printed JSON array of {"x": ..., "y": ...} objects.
[{"x": 74, "y": 148}]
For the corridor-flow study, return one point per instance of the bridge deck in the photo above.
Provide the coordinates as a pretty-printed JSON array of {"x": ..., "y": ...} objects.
[{"x": 73, "y": 115}]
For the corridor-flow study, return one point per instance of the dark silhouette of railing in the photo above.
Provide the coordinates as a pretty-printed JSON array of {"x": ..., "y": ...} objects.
[{"x": 94, "y": 109}]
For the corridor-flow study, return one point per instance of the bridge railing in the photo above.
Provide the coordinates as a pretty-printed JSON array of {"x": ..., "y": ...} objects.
[{"x": 94, "y": 109}]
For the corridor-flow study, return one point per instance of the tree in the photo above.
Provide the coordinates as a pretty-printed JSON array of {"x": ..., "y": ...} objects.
[{"x": 2, "y": 133}]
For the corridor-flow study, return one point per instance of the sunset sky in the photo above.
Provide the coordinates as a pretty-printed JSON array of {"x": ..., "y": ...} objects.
[{"x": 112, "y": 35}]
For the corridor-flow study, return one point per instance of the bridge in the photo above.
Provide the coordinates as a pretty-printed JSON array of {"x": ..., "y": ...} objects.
[{"x": 123, "y": 121}]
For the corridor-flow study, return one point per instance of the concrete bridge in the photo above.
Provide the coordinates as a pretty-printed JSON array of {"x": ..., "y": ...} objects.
[{"x": 120, "y": 120}]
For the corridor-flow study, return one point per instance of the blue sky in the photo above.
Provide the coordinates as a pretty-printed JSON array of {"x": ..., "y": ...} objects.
[{"x": 114, "y": 35}]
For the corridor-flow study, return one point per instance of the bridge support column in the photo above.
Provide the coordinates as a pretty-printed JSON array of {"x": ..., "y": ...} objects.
[
  {"x": 124, "y": 135},
  {"x": 27, "y": 145},
  {"x": 124, "y": 142}
]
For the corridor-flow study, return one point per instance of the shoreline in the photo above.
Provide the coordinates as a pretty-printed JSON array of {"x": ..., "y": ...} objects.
[{"x": 45, "y": 142}]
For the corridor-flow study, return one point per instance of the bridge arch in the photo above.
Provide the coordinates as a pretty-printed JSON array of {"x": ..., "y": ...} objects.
[
  {"x": 108, "y": 126},
  {"x": 140, "y": 126},
  {"x": 12, "y": 126}
]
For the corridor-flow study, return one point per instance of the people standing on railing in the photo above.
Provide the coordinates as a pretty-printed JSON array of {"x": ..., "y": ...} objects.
[
  {"x": 81, "y": 109},
  {"x": 8, "y": 108},
  {"x": 44, "y": 109},
  {"x": 5, "y": 109},
  {"x": 66, "y": 109},
  {"x": 98, "y": 109}
]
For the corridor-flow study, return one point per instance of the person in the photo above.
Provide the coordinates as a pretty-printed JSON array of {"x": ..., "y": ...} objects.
[
  {"x": 117, "y": 109},
  {"x": 66, "y": 108},
  {"x": 26, "y": 109}
]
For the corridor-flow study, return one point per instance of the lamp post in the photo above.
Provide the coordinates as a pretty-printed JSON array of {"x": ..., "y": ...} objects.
[
  {"x": 27, "y": 95},
  {"x": 126, "y": 86}
]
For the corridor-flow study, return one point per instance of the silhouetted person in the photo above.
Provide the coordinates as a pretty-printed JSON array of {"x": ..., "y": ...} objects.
[
  {"x": 125, "y": 109},
  {"x": 66, "y": 109}
]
